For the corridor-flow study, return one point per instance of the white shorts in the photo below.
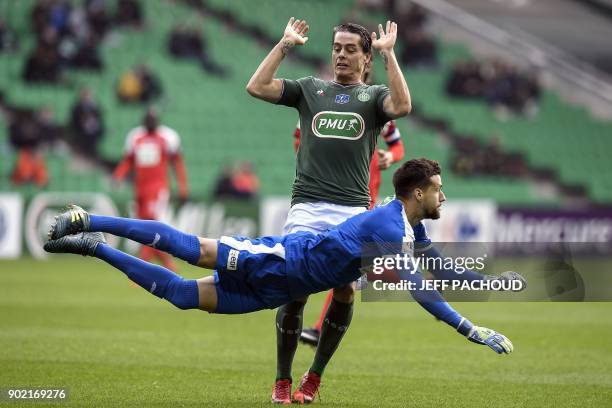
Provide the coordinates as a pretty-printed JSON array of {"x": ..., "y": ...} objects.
[{"x": 318, "y": 217}]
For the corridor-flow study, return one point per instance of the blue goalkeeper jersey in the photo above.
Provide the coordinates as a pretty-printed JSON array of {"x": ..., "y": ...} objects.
[
  {"x": 267, "y": 272},
  {"x": 337, "y": 257}
]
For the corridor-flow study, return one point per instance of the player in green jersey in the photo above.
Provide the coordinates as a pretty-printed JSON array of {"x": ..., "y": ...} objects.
[{"x": 339, "y": 123}]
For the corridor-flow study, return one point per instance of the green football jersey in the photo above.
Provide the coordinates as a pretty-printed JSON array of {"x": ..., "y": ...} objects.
[{"x": 339, "y": 125}]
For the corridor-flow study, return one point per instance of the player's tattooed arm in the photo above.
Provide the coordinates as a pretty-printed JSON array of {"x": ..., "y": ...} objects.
[
  {"x": 398, "y": 103},
  {"x": 263, "y": 84},
  {"x": 385, "y": 59},
  {"x": 287, "y": 45}
]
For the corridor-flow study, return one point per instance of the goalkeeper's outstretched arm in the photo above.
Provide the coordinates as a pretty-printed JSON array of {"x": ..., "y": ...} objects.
[{"x": 433, "y": 302}]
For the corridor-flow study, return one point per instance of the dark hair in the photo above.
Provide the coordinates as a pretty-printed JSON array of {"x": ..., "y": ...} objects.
[
  {"x": 366, "y": 40},
  {"x": 415, "y": 173}
]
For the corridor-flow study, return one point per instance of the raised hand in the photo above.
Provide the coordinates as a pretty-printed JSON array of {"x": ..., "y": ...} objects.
[
  {"x": 387, "y": 38},
  {"x": 295, "y": 32}
]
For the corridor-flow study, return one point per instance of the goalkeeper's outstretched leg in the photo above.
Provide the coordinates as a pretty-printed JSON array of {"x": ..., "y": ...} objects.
[
  {"x": 227, "y": 292},
  {"x": 159, "y": 281},
  {"x": 154, "y": 234}
]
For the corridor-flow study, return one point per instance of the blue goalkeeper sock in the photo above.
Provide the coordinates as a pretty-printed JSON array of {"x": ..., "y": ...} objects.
[
  {"x": 152, "y": 233},
  {"x": 163, "y": 283}
]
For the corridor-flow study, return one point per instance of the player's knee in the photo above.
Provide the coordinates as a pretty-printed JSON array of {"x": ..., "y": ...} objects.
[
  {"x": 295, "y": 308},
  {"x": 182, "y": 293},
  {"x": 345, "y": 294}
]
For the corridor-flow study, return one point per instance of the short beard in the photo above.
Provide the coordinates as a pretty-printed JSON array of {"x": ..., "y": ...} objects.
[{"x": 433, "y": 214}]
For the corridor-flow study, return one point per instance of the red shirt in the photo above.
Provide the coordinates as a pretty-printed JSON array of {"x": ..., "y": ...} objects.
[
  {"x": 149, "y": 154},
  {"x": 391, "y": 135}
]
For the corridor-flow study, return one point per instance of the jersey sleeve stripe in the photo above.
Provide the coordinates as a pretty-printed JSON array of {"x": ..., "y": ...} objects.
[
  {"x": 392, "y": 137},
  {"x": 280, "y": 98}
]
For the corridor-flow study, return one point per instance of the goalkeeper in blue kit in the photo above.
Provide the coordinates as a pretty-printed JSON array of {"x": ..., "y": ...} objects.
[{"x": 264, "y": 273}]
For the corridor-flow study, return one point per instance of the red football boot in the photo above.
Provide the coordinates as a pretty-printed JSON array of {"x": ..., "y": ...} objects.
[
  {"x": 308, "y": 388},
  {"x": 281, "y": 393}
]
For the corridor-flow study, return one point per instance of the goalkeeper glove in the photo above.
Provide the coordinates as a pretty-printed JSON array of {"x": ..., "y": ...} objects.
[
  {"x": 481, "y": 335},
  {"x": 511, "y": 276}
]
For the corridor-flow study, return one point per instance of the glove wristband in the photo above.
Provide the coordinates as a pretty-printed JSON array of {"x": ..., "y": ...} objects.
[{"x": 465, "y": 326}]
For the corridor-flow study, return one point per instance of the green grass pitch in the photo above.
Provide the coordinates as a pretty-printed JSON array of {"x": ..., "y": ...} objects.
[{"x": 78, "y": 323}]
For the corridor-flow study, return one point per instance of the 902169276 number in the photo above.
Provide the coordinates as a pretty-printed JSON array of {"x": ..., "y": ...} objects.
[{"x": 33, "y": 393}]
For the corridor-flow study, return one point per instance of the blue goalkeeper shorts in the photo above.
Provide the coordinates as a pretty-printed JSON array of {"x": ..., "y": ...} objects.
[{"x": 251, "y": 274}]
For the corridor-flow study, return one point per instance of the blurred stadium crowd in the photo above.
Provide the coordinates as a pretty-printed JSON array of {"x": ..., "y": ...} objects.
[{"x": 453, "y": 93}]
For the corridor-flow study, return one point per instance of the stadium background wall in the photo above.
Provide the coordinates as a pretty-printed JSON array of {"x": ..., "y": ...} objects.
[{"x": 24, "y": 220}]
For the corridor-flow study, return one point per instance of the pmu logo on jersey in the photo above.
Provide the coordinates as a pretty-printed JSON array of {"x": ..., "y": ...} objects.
[
  {"x": 338, "y": 125},
  {"x": 342, "y": 98}
]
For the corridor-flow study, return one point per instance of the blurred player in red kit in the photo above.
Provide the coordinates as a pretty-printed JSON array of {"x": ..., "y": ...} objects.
[
  {"x": 381, "y": 160},
  {"x": 150, "y": 149}
]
